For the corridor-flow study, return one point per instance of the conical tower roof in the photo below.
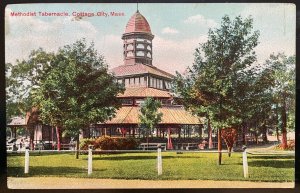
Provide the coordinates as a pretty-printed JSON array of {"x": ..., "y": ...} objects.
[{"x": 138, "y": 23}]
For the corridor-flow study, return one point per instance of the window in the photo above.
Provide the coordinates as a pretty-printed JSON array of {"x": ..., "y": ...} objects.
[
  {"x": 139, "y": 101},
  {"x": 129, "y": 47},
  {"x": 143, "y": 81},
  {"x": 160, "y": 84},
  {"x": 140, "y": 46},
  {"x": 151, "y": 81},
  {"x": 148, "y": 47},
  {"x": 131, "y": 81},
  {"x": 120, "y": 81},
  {"x": 127, "y": 101},
  {"x": 140, "y": 53},
  {"x": 137, "y": 81},
  {"x": 130, "y": 54},
  {"x": 127, "y": 82},
  {"x": 149, "y": 55}
]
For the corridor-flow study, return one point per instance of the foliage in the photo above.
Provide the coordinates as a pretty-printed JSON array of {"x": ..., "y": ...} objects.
[
  {"x": 110, "y": 143},
  {"x": 229, "y": 135},
  {"x": 78, "y": 90},
  {"x": 290, "y": 146},
  {"x": 149, "y": 116},
  {"x": 84, "y": 143},
  {"x": 211, "y": 87},
  {"x": 24, "y": 76}
]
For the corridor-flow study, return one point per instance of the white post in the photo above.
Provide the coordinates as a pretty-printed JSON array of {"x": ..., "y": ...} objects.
[
  {"x": 245, "y": 162},
  {"x": 90, "y": 160},
  {"x": 26, "y": 170},
  {"x": 159, "y": 160}
]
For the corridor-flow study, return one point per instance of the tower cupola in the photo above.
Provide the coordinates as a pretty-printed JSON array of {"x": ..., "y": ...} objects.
[{"x": 137, "y": 41}]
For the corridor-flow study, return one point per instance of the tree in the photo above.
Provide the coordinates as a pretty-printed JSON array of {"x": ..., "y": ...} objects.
[
  {"x": 149, "y": 116},
  {"x": 210, "y": 86},
  {"x": 283, "y": 90},
  {"x": 229, "y": 135},
  {"x": 21, "y": 79},
  {"x": 78, "y": 90}
]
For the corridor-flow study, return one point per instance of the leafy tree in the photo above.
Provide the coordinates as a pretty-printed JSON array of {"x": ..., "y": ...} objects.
[
  {"x": 78, "y": 90},
  {"x": 21, "y": 79},
  {"x": 229, "y": 135},
  {"x": 283, "y": 90},
  {"x": 210, "y": 86},
  {"x": 149, "y": 116}
]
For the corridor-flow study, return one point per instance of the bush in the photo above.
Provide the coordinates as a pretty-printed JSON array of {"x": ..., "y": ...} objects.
[
  {"x": 84, "y": 143},
  {"x": 110, "y": 143},
  {"x": 290, "y": 146}
]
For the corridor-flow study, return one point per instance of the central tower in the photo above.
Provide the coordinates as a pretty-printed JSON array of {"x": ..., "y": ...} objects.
[{"x": 137, "y": 41}]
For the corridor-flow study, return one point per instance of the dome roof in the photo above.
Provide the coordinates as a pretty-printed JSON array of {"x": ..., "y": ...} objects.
[{"x": 137, "y": 23}]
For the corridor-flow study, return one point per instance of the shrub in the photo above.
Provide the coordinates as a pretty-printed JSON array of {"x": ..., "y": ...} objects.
[
  {"x": 290, "y": 146},
  {"x": 84, "y": 143},
  {"x": 110, "y": 143}
]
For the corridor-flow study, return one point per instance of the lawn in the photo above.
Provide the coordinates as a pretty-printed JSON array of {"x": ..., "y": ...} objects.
[{"x": 201, "y": 166}]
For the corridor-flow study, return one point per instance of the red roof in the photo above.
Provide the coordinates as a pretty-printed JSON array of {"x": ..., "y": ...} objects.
[
  {"x": 127, "y": 70},
  {"x": 137, "y": 23},
  {"x": 144, "y": 92},
  {"x": 171, "y": 115}
]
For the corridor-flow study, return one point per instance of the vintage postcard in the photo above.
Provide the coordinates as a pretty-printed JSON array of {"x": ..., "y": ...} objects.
[{"x": 146, "y": 95}]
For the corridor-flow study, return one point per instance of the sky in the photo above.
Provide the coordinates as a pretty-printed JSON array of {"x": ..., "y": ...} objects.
[{"x": 177, "y": 28}]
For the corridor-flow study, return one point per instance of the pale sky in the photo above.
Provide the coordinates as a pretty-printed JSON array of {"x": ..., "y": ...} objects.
[{"x": 178, "y": 29}]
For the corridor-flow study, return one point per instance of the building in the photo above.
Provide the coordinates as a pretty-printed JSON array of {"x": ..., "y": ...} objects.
[{"x": 142, "y": 79}]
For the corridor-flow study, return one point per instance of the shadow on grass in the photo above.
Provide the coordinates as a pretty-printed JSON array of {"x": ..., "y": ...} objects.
[
  {"x": 272, "y": 157},
  {"x": 272, "y": 163},
  {"x": 47, "y": 171},
  {"x": 139, "y": 157}
]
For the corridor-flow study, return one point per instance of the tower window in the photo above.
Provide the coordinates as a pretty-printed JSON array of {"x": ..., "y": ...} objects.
[
  {"x": 130, "y": 54},
  {"x": 149, "y": 55},
  {"x": 149, "y": 48},
  {"x": 140, "y": 53},
  {"x": 129, "y": 47},
  {"x": 140, "y": 46}
]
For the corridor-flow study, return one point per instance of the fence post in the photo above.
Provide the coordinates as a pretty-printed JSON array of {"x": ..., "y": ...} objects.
[
  {"x": 26, "y": 170},
  {"x": 245, "y": 162},
  {"x": 159, "y": 160},
  {"x": 90, "y": 160}
]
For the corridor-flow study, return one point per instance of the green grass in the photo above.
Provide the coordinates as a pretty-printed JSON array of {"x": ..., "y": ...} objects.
[{"x": 200, "y": 166}]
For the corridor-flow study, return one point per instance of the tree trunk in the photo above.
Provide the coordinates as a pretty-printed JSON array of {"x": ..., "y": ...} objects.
[
  {"x": 210, "y": 142},
  {"x": 220, "y": 146},
  {"x": 277, "y": 122},
  {"x": 58, "y": 138},
  {"x": 265, "y": 137},
  {"x": 31, "y": 138},
  {"x": 229, "y": 151},
  {"x": 244, "y": 135},
  {"x": 277, "y": 134},
  {"x": 147, "y": 142},
  {"x": 284, "y": 123},
  {"x": 77, "y": 147}
]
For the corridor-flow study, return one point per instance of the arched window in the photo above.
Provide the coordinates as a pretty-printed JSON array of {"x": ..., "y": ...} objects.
[
  {"x": 129, "y": 47},
  {"x": 148, "y": 47},
  {"x": 130, "y": 54}
]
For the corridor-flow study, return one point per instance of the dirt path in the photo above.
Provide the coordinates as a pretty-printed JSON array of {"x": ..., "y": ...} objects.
[{"x": 83, "y": 183}]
